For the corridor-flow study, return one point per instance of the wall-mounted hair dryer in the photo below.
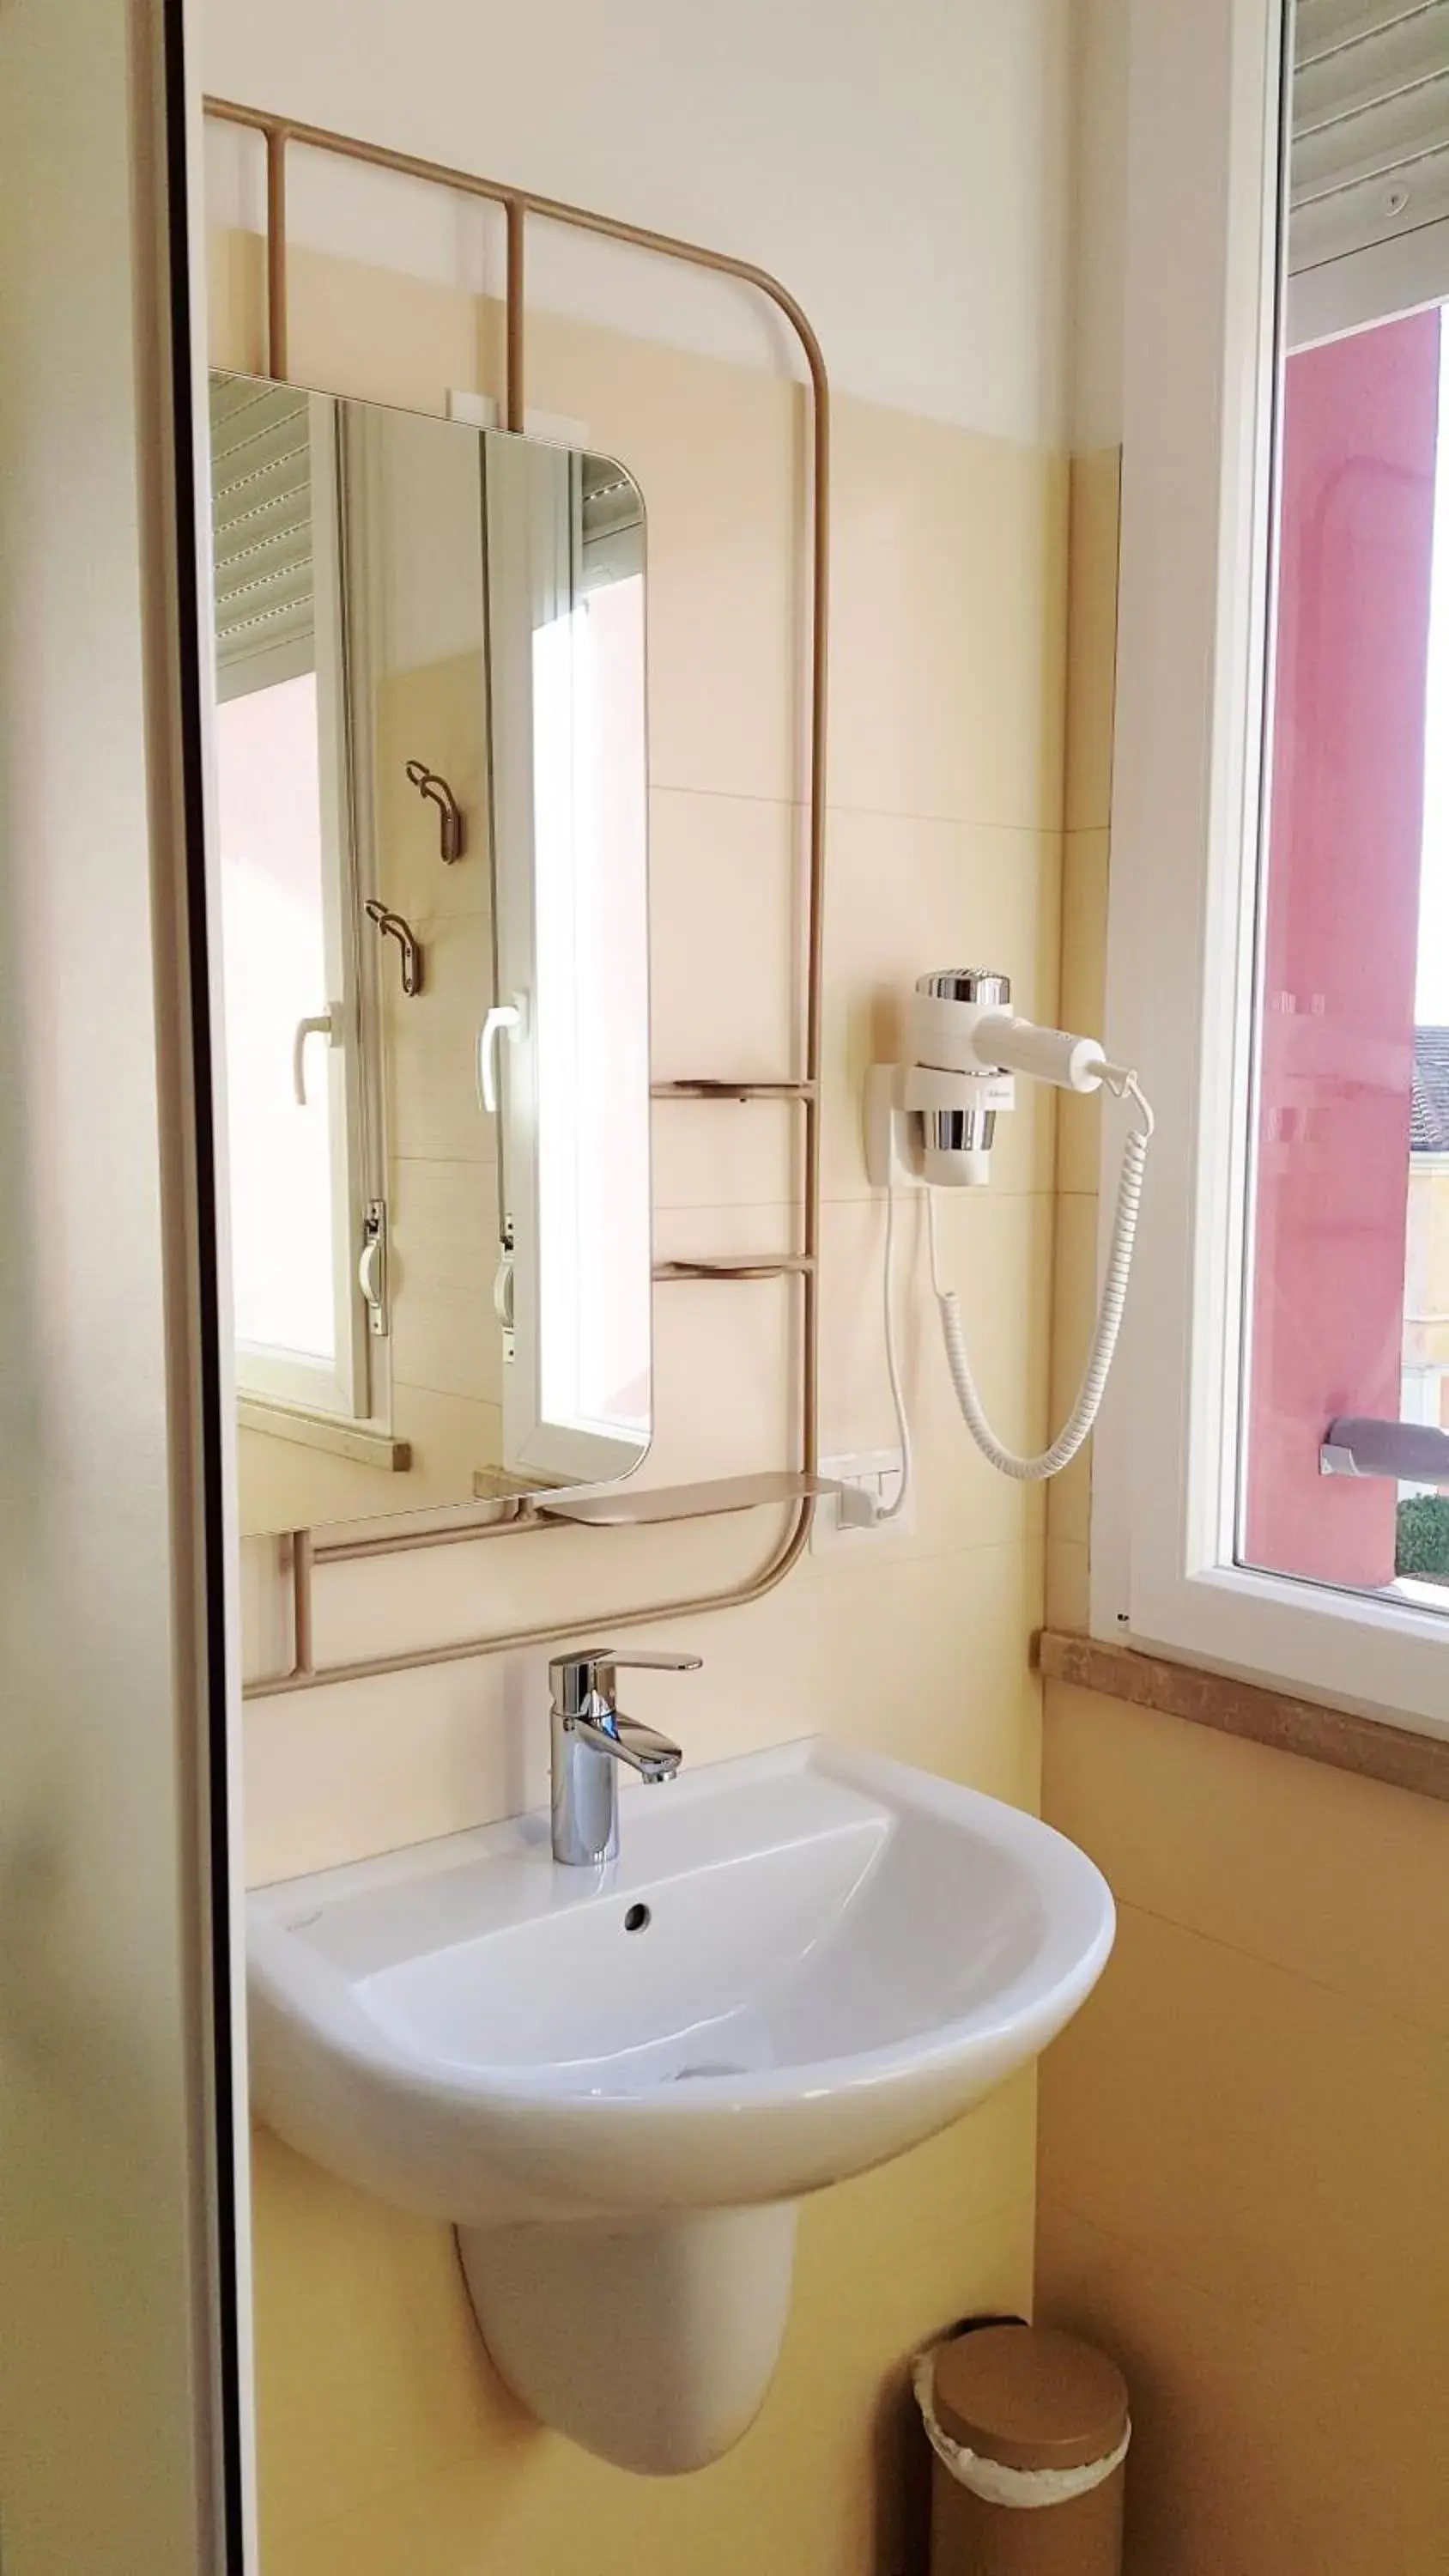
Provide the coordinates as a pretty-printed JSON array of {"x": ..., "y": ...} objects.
[
  {"x": 933, "y": 1119},
  {"x": 936, "y": 1114}
]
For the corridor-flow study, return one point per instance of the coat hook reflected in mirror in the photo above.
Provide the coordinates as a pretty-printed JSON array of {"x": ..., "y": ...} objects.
[
  {"x": 450, "y": 812},
  {"x": 391, "y": 925}
]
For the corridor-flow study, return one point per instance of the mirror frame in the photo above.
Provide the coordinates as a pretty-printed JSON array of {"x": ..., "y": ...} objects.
[{"x": 798, "y": 1486}]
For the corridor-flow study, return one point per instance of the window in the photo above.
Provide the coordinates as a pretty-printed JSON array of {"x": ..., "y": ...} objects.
[
  {"x": 588, "y": 690},
  {"x": 284, "y": 809},
  {"x": 1279, "y": 940},
  {"x": 1351, "y": 1005},
  {"x": 566, "y": 566},
  {"x": 275, "y": 948}
]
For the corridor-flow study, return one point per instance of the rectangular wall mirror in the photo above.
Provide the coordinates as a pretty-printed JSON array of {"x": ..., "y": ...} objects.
[{"x": 431, "y": 811}]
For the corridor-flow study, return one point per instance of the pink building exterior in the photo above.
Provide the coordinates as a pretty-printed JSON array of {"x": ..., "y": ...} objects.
[{"x": 1360, "y": 433}]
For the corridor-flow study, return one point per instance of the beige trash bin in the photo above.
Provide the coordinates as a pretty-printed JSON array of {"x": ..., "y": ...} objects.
[{"x": 1030, "y": 2431}]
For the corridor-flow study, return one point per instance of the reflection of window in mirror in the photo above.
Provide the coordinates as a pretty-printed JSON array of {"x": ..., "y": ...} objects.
[
  {"x": 594, "y": 1172},
  {"x": 500, "y": 1337},
  {"x": 283, "y": 812},
  {"x": 567, "y": 537}
]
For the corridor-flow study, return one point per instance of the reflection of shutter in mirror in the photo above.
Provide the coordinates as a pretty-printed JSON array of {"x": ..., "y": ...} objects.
[
  {"x": 612, "y": 523},
  {"x": 261, "y": 533}
]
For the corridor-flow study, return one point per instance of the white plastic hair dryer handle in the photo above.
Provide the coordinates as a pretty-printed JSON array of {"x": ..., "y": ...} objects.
[{"x": 1047, "y": 1055}]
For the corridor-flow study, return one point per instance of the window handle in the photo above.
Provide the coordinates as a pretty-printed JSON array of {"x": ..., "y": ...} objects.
[
  {"x": 372, "y": 1264},
  {"x": 512, "y": 1017},
  {"x": 1411, "y": 1453},
  {"x": 323, "y": 1025}
]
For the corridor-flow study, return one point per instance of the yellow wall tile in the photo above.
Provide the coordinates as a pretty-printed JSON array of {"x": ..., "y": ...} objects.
[
  {"x": 724, "y": 1154},
  {"x": 1234, "y": 2077},
  {"x": 1092, "y": 636},
  {"x": 1249, "y": 2453},
  {"x": 726, "y": 918},
  {"x": 444, "y": 1241},
  {"x": 369, "y": 2372},
  {"x": 723, "y": 547},
  {"x": 948, "y": 638},
  {"x": 1344, "y": 1880},
  {"x": 421, "y": 339},
  {"x": 1088, "y": 1121},
  {"x": 236, "y": 301},
  {"x": 1068, "y": 1603},
  {"x": 1074, "y": 1305}
]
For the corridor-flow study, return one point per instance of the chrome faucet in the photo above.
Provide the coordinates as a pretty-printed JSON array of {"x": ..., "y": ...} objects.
[{"x": 590, "y": 1737}]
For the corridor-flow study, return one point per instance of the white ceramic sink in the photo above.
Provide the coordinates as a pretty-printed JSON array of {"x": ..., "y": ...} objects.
[{"x": 832, "y": 1956}]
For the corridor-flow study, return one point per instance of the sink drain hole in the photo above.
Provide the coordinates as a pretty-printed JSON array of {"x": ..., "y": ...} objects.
[
  {"x": 638, "y": 1919},
  {"x": 708, "y": 2066}
]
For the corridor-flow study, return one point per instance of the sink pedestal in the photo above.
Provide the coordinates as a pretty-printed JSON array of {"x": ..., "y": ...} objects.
[{"x": 651, "y": 2343}]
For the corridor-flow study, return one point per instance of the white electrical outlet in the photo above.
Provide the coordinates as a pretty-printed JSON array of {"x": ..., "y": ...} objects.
[{"x": 874, "y": 1479}]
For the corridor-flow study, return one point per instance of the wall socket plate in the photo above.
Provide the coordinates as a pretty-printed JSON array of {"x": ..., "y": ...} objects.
[{"x": 874, "y": 1474}]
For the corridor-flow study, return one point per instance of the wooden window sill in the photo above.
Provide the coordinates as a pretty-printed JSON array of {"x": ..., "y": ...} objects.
[
  {"x": 1365, "y": 1745},
  {"x": 337, "y": 1436}
]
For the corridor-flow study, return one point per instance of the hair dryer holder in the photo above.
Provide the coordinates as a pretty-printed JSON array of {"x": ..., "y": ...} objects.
[
  {"x": 898, "y": 1100},
  {"x": 932, "y": 1118}
]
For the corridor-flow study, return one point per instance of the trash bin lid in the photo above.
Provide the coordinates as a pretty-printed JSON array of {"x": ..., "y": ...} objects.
[{"x": 1029, "y": 2397}]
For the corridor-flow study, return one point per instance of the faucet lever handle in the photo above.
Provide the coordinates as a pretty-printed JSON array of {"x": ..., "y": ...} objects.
[
  {"x": 575, "y": 1680},
  {"x": 647, "y": 1663}
]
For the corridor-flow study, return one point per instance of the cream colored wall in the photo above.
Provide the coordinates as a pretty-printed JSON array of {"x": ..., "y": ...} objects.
[
  {"x": 1245, "y": 2135},
  {"x": 385, "y": 2442}
]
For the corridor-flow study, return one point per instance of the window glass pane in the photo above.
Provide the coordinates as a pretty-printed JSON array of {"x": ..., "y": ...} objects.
[
  {"x": 593, "y": 1012},
  {"x": 1348, "y": 1298},
  {"x": 274, "y": 970}
]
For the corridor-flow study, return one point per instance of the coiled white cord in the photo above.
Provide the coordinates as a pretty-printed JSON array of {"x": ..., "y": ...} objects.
[{"x": 1079, "y": 1421}]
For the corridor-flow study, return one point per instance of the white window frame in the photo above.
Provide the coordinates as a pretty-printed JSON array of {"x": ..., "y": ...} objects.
[
  {"x": 533, "y": 547},
  {"x": 292, "y": 1382},
  {"x": 1201, "y": 296}
]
